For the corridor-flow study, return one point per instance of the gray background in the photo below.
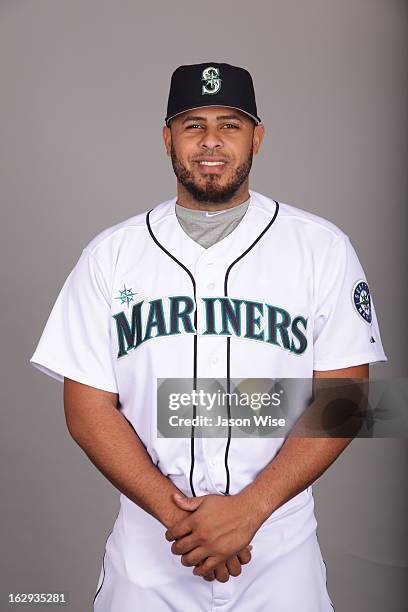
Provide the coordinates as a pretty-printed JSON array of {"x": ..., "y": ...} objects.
[{"x": 83, "y": 93}]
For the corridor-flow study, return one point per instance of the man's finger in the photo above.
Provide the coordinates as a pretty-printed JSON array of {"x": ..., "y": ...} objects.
[
  {"x": 234, "y": 566},
  {"x": 209, "y": 577},
  {"x": 195, "y": 557},
  {"x": 207, "y": 566},
  {"x": 188, "y": 503},
  {"x": 184, "y": 545},
  {"x": 222, "y": 573},
  {"x": 178, "y": 530},
  {"x": 244, "y": 556}
]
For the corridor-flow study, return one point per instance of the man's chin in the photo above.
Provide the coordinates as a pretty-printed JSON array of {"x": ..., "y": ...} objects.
[{"x": 211, "y": 193}]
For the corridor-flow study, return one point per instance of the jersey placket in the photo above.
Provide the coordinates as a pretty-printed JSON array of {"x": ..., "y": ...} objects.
[{"x": 211, "y": 362}]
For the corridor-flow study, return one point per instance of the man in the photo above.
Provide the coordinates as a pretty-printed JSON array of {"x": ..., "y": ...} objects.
[{"x": 219, "y": 282}]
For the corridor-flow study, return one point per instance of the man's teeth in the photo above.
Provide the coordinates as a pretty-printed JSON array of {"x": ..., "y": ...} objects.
[{"x": 211, "y": 163}]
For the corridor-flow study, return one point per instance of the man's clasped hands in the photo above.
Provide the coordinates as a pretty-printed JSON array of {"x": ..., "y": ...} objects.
[{"x": 214, "y": 535}]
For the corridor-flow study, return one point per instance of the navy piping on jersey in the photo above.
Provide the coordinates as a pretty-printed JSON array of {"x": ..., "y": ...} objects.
[
  {"x": 227, "y": 488},
  {"x": 103, "y": 577},
  {"x": 192, "y": 460}
]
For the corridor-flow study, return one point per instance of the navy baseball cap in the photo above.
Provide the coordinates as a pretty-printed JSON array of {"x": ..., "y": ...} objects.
[{"x": 211, "y": 84}]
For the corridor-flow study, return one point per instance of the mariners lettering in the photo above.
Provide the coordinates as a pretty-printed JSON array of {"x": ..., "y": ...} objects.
[{"x": 219, "y": 316}]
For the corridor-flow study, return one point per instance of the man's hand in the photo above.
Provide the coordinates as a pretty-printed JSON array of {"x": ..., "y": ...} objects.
[
  {"x": 223, "y": 571},
  {"x": 231, "y": 567},
  {"x": 218, "y": 528}
]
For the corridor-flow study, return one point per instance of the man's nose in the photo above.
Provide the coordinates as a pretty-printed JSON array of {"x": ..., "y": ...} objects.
[{"x": 211, "y": 139}]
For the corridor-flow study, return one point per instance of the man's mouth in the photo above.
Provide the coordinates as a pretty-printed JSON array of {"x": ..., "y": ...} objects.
[
  {"x": 212, "y": 166},
  {"x": 212, "y": 163}
]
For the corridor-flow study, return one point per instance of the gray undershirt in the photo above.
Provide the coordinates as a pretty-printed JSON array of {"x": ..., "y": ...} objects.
[{"x": 206, "y": 227}]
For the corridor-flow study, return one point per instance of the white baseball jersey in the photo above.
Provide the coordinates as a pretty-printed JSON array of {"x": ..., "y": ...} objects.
[{"x": 281, "y": 296}]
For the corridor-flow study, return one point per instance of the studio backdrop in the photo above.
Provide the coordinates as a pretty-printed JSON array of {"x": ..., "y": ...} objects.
[{"x": 84, "y": 88}]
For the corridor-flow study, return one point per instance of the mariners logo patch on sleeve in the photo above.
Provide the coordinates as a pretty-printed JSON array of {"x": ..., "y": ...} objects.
[{"x": 362, "y": 300}]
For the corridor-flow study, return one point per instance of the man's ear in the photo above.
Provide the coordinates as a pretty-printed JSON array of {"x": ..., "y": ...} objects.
[
  {"x": 167, "y": 139},
  {"x": 259, "y": 133}
]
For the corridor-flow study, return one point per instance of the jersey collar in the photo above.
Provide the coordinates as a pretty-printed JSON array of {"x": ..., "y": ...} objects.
[{"x": 173, "y": 238}]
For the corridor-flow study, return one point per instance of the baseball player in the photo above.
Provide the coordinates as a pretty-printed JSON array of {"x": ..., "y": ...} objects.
[{"x": 218, "y": 282}]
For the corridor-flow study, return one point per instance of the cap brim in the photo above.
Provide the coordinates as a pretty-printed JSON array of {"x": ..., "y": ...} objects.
[{"x": 256, "y": 119}]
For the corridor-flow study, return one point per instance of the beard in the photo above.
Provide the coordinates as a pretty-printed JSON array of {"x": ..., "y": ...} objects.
[{"x": 211, "y": 191}]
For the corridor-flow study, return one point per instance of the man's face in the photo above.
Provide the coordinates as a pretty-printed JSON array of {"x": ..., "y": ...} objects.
[{"x": 211, "y": 150}]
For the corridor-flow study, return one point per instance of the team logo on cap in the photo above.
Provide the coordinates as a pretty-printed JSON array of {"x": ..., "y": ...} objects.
[
  {"x": 362, "y": 300},
  {"x": 212, "y": 79}
]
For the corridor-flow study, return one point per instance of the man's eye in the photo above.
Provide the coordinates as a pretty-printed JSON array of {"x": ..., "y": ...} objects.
[
  {"x": 194, "y": 125},
  {"x": 230, "y": 125}
]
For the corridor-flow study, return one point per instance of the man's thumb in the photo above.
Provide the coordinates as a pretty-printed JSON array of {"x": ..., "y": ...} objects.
[{"x": 187, "y": 503}]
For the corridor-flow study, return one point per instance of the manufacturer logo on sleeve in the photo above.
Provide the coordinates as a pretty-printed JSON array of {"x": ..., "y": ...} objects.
[
  {"x": 362, "y": 300},
  {"x": 212, "y": 79}
]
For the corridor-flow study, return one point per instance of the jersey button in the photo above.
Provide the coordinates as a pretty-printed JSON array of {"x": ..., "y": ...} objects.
[
  {"x": 213, "y": 462},
  {"x": 211, "y": 286},
  {"x": 214, "y": 360}
]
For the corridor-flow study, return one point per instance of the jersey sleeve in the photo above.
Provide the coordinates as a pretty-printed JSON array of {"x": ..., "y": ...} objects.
[
  {"x": 345, "y": 331},
  {"x": 75, "y": 342}
]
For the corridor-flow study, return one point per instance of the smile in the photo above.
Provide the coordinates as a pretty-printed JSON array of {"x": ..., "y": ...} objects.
[{"x": 212, "y": 163}]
